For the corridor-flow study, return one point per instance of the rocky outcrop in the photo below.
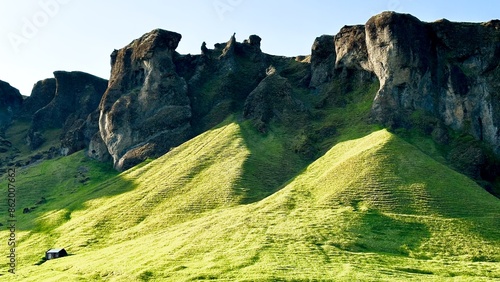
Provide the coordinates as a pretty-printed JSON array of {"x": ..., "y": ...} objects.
[
  {"x": 431, "y": 68},
  {"x": 350, "y": 48},
  {"x": 42, "y": 94},
  {"x": 223, "y": 77},
  {"x": 426, "y": 67},
  {"x": 323, "y": 59},
  {"x": 469, "y": 88},
  {"x": 145, "y": 110},
  {"x": 10, "y": 104},
  {"x": 272, "y": 98},
  {"x": 401, "y": 55},
  {"x": 433, "y": 76},
  {"x": 96, "y": 147},
  {"x": 77, "y": 95}
]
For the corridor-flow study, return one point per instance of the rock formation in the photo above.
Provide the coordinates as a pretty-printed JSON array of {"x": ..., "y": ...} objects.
[
  {"x": 350, "y": 48},
  {"x": 323, "y": 59},
  {"x": 401, "y": 55},
  {"x": 10, "y": 104},
  {"x": 272, "y": 99},
  {"x": 145, "y": 110},
  {"x": 158, "y": 99},
  {"x": 42, "y": 94},
  {"x": 223, "y": 77},
  {"x": 427, "y": 67},
  {"x": 77, "y": 94},
  {"x": 430, "y": 67}
]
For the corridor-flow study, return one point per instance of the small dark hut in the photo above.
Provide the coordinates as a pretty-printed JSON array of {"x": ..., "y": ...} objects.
[{"x": 55, "y": 253}]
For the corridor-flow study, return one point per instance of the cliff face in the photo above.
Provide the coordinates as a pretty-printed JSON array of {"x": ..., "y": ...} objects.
[
  {"x": 447, "y": 70},
  {"x": 158, "y": 99},
  {"x": 76, "y": 95},
  {"x": 42, "y": 94},
  {"x": 145, "y": 110},
  {"x": 10, "y": 103}
]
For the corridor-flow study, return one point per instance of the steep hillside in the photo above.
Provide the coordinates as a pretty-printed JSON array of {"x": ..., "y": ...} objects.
[
  {"x": 362, "y": 211},
  {"x": 369, "y": 160}
]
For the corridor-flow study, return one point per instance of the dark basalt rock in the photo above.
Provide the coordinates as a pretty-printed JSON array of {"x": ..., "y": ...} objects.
[
  {"x": 223, "y": 78},
  {"x": 272, "y": 99},
  {"x": 42, "y": 94},
  {"x": 402, "y": 57},
  {"x": 10, "y": 104},
  {"x": 77, "y": 95},
  {"x": 431, "y": 68},
  {"x": 350, "y": 48},
  {"x": 323, "y": 59}
]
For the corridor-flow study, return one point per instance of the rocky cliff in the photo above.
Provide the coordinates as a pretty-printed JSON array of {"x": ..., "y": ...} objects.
[
  {"x": 441, "y": 76},
  {"x": 145, "y": 110},
  {"x": 42, "y": 94},
  {"x": 446, "y": 70},
  {"x": 10, "y": 104},
  {"x": 157, "y": 96},
  {"x": 158, "y": 99},
  {"x": 75, "y": 96}
]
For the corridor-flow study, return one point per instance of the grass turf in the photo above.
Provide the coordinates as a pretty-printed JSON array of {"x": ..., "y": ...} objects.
[{"x": 374, "y": 208}]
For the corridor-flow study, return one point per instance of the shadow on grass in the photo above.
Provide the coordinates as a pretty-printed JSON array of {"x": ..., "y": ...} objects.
[
  {"x": 272, "y": 163},
  {"x": 296, "y": 139},
  {"x": 379, "y": 233},
  {"x": 268, "y": 167},
  {"x": 59, "y": 187}
]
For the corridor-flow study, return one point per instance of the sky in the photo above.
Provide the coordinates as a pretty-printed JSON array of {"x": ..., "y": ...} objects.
[{"x": 38, "y": 37}]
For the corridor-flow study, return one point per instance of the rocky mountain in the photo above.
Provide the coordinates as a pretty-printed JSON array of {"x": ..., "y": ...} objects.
[{"x": 429, "y": 77}]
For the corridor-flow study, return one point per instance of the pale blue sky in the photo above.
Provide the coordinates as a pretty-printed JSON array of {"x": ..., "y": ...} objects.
[{"x": 38, "y": 37}]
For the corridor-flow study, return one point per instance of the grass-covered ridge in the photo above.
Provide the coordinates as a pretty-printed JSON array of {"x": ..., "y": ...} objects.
[{"x": 374, "y": 208}]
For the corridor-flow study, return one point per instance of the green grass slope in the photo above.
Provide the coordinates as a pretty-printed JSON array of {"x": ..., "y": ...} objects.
[{"x": 370, "y": 209}]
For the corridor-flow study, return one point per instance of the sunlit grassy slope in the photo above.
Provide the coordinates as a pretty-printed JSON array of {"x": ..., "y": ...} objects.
[{"x": 370, "y": 209}]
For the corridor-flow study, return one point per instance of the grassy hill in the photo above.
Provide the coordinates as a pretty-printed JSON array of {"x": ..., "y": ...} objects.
[{"x": 237, "y": 206}]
